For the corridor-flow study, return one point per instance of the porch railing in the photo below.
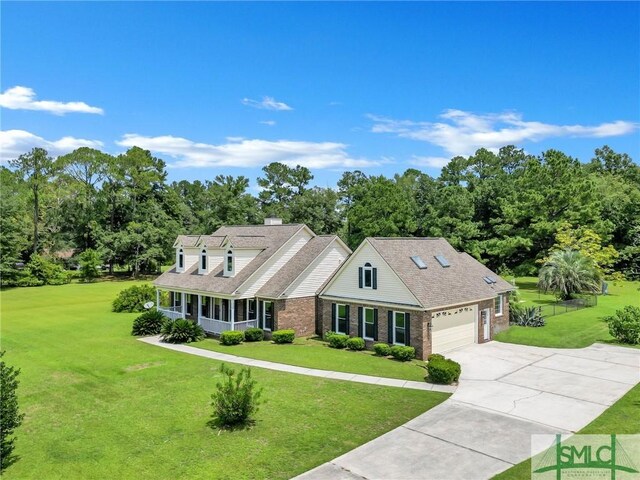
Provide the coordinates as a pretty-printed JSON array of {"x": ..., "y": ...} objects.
[
  {"x": 171, "y": 312},
  {"x": 218, "y": 326}
]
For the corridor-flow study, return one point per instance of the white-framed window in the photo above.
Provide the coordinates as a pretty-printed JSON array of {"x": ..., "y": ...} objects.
[
  {"x": 399, "y": 328},
  {"x": 203, "y": 261},
  {"x": 252, "y": 309},
  {"x": 498, "y": 304},
  {"x": 176, "y": 299},
  {"x": 368, "y": 323},
  {"x": 229, "y": 263},
  {"x": 180, "y": 260},
  {"x": 267, "y": 315},
  {"x": 342, "y": 319},
  {"x": 367, "y": 276}
]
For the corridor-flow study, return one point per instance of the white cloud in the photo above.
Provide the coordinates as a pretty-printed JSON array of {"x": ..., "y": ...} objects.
[
  {"x": 24, "y": 98},
  {"x": 248, "y": 152},
  {"x": 269, "y": 123},
  {"x": 267, "y": 103},
  {"x": 14, "y": 143},
  {"x": 433, "y": 162},
  {"x": 462, "y": 133}
]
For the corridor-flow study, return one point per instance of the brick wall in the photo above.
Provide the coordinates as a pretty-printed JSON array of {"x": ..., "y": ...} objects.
[
  {"x": 417, "y": 329},
  {"x": 298, "y": 314}
]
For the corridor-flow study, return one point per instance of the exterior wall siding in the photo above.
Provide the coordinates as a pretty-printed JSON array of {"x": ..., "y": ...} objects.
[
  {"x": 242, "y": 258},
  {"x": 275, "y": 263},
  {"x": 298, "y": 314},
  {"x": 346, "y": 285},
  {"x": 321, "y": 269}
]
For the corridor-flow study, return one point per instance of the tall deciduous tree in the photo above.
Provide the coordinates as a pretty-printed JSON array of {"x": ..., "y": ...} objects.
[{"x": 37, "y": 168}]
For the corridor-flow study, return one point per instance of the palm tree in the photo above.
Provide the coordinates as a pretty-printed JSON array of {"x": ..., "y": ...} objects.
[{"x": 568, "y": 272}]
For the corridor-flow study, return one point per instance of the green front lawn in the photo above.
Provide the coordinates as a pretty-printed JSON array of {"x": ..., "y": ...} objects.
[
  {"x": 314, "y": 353},
  {"x": 620, "y": 418},
  {"x": 101, "y": 404},
  {"x": 575, "y": 329}
]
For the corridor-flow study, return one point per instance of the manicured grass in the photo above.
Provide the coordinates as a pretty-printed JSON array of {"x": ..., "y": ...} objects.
[
  {"x": 314, "y": 353},
  {"x": 575, "y": 329},
  {"x": 101, "y": 404},
  {"x": 620, "y": 418}
]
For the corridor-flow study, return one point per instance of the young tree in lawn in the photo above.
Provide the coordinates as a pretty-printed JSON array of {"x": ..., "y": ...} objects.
[
  {"x": 90, "y": 261},
  {"x": 37, "y": 168},
  {"x": 567, "y": 273},
  {"x": 10, "y": 416}
]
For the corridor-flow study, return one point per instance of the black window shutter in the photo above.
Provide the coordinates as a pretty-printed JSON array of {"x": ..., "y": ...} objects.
[
  {"x": 375, "y": 279},
  {"x": 360, "y": 322},
  {"x": 347, "y": 312},
  {"x": 375, "y": 324},
  {"x": 348, "y": 326},
  {"x": 390, "y": 326},
  {"x": 334, "y": 317},
  {"x": 407, "y": 329},
  {"x": 259, "y": 308},
  {"x": 360, "y": 275}
]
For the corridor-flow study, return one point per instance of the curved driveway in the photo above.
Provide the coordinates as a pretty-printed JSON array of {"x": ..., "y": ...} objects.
[{"x": 507, "y": 393}]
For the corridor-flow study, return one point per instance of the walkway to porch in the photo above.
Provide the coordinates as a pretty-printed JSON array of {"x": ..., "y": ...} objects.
[{"x": 313, "y": 372}]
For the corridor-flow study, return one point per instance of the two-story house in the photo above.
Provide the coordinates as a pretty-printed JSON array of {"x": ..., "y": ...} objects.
[{"x": 265, "y": 276}]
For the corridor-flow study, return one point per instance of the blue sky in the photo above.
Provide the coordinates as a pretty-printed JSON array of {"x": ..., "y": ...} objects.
[{"x": 228, "y": 87}]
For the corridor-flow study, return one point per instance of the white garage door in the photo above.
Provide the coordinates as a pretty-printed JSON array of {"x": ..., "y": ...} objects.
[{"x": 453, "y": 328}]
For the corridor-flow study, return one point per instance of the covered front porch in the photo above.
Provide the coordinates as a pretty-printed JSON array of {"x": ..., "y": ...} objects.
[{"x": 216, "y": 314}]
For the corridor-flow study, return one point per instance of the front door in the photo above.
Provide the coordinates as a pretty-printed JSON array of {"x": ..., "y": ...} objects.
[{"x": 486, "y": 324}]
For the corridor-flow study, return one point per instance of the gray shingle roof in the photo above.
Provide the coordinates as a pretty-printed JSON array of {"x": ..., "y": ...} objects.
[
  {"x": 435, "y": 286},
  {"x": 294, "y": 267},
  {"x": 266, "y": 237}
]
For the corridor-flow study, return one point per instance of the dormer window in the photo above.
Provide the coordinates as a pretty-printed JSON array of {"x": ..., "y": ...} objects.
[
  {"x": 180, "y": 259},
  {"x": 228, "y": 263},
  {"x": 368, "y": 276},
  {"x": 203, "y": 261}
]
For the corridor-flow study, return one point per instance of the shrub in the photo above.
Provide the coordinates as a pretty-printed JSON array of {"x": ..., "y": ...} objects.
[
  {"x": 236, "y": 398},
  {"x": 355, "y": 343},
  {"x": 90, "y": 261},
  {"x": 402, "y": 353},
  {"x": 283, "y": 336},
  {"x": 435, "y": 356},
  {"x": 11, "y": 417},
  {"x": 382, "y": 349},
  {"x": 526, "y": 316},
  {"x": 132, "y": 299},
  {"x": 443, "y": 371},
  {"x": 337, "y": 340},
  {"x": 231, "y": 337},
  {"x": 253, "y": 334},
  {"x": 149, "y": 323},
  {"x": 624, "y": 326},
  {"x": 40, "y": 271},
  {"x": 181, "y": 331}
]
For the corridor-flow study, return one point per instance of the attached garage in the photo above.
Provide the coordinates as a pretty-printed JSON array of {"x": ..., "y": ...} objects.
[{"x": 453, "y": 328}]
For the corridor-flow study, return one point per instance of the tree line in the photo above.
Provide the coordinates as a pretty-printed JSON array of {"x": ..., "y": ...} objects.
[{"x": 508, "y": 208}]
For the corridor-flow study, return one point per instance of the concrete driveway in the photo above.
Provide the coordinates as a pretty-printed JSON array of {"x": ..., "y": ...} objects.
[{"x": 507, "y": 393}]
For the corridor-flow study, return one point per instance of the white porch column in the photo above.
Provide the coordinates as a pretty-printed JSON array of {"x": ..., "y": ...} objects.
[
  {"x": 157, "y": 299},
  {"x": 232, "y": 312},
  {"x": 199, "y": 308},
  {"x": 183, "y": 304}
]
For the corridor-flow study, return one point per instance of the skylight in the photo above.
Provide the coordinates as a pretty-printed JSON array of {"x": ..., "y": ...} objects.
[
  {"x": 489, "y": 280},
  {"x": 442, "y": 261},
  {"x": 419, "y": 262}
]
